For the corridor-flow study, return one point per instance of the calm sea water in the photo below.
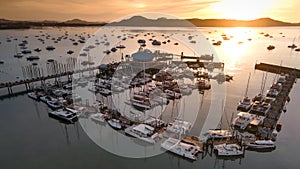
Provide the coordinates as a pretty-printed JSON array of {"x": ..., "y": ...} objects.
[{"x": 30, "y": 139}]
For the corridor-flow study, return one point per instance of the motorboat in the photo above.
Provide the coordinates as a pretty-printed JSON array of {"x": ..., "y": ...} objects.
[
  {"x": 115, "y": 123},
  {"x": 218, "y": 134},
  {"x": 172, "y": 95},
  {"x": 271, "y": 47},
  {"x": 64, "y": 115},
  {"x": 184, "y": 149},
  {"x": 26, "y": 51},
  {"x": 206, "y": 57},
  {"x": 156, "y": 43},
  {"x": 32, "y": 57},
  {"x": 54, "y": 104},
  {"x": 37, "y": 50},
  {"x": 98, "y": 118},
  {"x": 104, "y": 92},
  {"x": 47, "y": 98},
  {"x": 272, "y": 93},
  {"x": 293, "y": 46},
  {"x": 260, "y": 145},
  {"x": 245, "y": 105},
  {"x": 143, "y": 132},
  {"x": 259, "y": 97},
  {"x": 179, "y": 127},
  {"x": 228, "y": 150},
  {"x": 50, "y": 48},
  {"x": 33, "y": 95},
  {"x": 242, "y": 120},
  {"x": 18, "y": 55}
]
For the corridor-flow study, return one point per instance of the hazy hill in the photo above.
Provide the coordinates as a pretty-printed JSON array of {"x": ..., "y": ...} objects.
[{"x": 142, "y": 21}]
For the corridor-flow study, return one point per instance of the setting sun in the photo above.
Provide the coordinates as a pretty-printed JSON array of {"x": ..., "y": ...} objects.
[{"x": 242, "y": 10}]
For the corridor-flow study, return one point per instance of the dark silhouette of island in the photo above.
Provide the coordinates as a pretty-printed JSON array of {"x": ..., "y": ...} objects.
[{"x": 143, "y": 21}]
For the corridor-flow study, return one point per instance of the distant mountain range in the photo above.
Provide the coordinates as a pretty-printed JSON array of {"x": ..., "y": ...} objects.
[{"x": 142, "y": 21}]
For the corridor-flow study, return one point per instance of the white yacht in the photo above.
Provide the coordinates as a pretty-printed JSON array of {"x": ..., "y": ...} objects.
[
  {"x": 115, "y": 123},
  {"x": 181, "y": 148},
  {"x": 228, "y": 150},
  {"x": 243, "y": 119},
  {"x": 261, "y": 145},
  {"x": 143, "y": 132},
  {"x": 63, "y": 115},
  {"x": 32, "y": 95}
]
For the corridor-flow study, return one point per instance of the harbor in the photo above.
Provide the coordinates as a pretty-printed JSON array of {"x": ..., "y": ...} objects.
[{"x": 126, "y": 106}]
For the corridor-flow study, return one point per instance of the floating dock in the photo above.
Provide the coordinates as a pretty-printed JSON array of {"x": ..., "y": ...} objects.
[{"x": 277, "y": 69}]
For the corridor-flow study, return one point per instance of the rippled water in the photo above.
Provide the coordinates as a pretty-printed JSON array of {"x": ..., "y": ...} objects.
[{"x": 30, "y": 139}]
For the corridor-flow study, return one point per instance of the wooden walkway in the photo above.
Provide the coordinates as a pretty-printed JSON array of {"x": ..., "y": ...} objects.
[
  {"x": 277, "y": 69},
  {"x": 28, "y": 81}
]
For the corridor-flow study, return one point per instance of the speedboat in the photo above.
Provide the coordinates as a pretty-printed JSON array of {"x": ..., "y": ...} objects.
[
  {"x": 64, "y": 115},
  {"x": 261, "y": 145},
  {"x": 143, "y": 132},
  {"x": 228, "y": 150},
  {"x": 181, "y": 148}
]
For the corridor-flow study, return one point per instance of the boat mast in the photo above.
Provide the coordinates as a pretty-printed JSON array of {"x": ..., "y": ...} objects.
[{"x": 246, "y": 92}]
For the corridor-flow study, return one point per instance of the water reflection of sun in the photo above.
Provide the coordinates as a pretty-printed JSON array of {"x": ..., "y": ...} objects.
[{"x": 236, "y": 48}]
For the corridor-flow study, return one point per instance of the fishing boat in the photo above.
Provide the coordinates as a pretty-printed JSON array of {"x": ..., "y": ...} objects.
[
  {"x": 228, "y": 150},
  {"x": 260, "y": 145},
  {"x": 143, "y": 132},
  {"x": 184, "y": 149},
  {"x": 64, "y": 115},
  {"x": 2, "y": 62}
]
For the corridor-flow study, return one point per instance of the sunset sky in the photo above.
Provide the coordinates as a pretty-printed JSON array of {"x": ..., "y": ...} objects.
[{"x": 105, "y": 10}]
